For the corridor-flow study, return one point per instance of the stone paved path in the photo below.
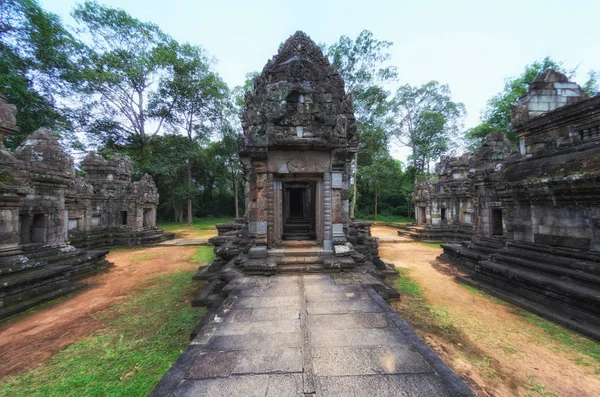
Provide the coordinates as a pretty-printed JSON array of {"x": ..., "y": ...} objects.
[{"x": 307, "y": 335}]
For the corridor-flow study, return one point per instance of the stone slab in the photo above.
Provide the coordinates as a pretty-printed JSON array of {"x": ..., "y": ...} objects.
[
  {"x": 247, "y": 386},
  {"x": 258, "y": 327},
  {"x": 255, "y": 341},
  {"x": 356, "y": 306},
  {"x": 275, "y": 313},
  {"x": 213, "y": 365},
  {"x": 357, "y": 337},
  {"x": 348, "y": 321},
  {"x": 409, "y": 385},
  {"x": 276, "y": 301},
  {"x": 272, "y": 361},
  {"x": 373, "y": 360}
]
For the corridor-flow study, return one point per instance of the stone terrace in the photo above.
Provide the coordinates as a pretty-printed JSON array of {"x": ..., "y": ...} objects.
[{"x": 319, "y": 335}]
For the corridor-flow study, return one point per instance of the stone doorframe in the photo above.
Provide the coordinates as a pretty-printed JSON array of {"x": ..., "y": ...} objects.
[{"x": 323, "y": 219}]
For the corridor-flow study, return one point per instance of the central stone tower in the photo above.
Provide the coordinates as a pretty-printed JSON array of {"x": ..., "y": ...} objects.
[
  {"x": 296, "y": 152},
  {"x": 299, "y": 140}
]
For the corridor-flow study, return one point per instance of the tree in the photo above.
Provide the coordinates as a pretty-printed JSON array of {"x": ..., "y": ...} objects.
[
  {"x": 361, "y": 62},
  {"x": 126, "y": 62},
  {"x": 496, "y": 116},
  {"x": 427, "y": 120},
  {"x": 191, "y": 101},
  {"x": 380, "y": 176},
  {"x": 36, "y": 59}
]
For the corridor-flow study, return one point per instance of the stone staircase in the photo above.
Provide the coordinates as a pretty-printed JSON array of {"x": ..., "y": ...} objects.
[
  {"x": 111, "y": 237},
  {"x": 306, "y": 257},
  {"x": 560, "y": 284},
  {"x": 298, "y": 229},
  {"x": 39, "y": 274},
  {"x": 436, "y": 233}
]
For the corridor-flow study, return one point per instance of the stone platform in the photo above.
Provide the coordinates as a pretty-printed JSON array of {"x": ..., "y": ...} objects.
[{"x": 319, "y": 335}]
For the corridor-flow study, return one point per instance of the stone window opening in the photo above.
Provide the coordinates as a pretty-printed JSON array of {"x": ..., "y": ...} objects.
[
  {"x": 124, "y": 218},
  {"x": 33, "y": 229},
  {"x": 73, "y": 224},
  {"x": 497, "y": 229}
]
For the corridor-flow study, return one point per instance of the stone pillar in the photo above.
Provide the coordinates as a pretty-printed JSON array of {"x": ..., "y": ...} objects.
[
  {"x": 259, "y": 220},
  {"x": 271, "y": 211},
  {"x": 327, "y": 220}
]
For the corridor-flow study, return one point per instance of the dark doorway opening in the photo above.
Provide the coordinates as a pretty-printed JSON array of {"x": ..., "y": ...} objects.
[
  {"x": 497, "y": 229},
  {"x": 147, "y": 222},
  {"x": 123, "y": 217},
  {"x": 444, "y": 214},
  {"x": 299, "y": 210},
  {"x": 297, "y": 202},
  {"x": 422, "y": 216},
  {"x": 33, "y": 228}
]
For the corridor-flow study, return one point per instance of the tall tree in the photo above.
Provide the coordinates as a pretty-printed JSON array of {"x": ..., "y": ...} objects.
[
  {"x": 362, "y": 64},
  {"x": 125, "y": 63},
  {"x": 381, "y": 175},
  {"x": 496, "y": 116},
  {"x": 191, "y": 101},
  {"x": 427, "y": 120},
  {"x": 37, "y": 56}
]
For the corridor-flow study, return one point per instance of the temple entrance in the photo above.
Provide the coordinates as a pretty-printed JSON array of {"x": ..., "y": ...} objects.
[
  {"x": 422, "y": 216},
  {"x": 299, "y": 210}
]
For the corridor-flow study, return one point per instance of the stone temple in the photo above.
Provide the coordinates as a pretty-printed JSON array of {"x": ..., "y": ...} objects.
[
  {"x": 299, "y": 140},
  {"x": 50, "y": 218},
  {"x": 524, "y": 222},
  {"x": 296, "y": 294}
]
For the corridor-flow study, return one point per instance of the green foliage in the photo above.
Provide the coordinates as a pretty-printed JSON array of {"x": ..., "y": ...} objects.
[
  {"x": 406, "y": 285},
  {"x": 497, "y": 115},
  {"x": 36, "y": 60},
  {"x": 427, "y": 120},
  {"x": 143, "y": 338},
  {"x": 203, "y": 255}
]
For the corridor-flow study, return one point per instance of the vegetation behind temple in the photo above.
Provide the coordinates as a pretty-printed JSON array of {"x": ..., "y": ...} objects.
[{"x": 133, "y": 89}]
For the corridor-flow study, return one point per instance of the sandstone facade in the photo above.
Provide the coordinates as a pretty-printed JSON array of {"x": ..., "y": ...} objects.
[
  {"x": 43, "y": 205},
  {"x": 298, "y": 144},
  {"x": 535, "y": 211}
]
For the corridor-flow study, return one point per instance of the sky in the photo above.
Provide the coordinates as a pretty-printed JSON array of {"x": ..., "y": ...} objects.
[{"x": 472, "y": 46}]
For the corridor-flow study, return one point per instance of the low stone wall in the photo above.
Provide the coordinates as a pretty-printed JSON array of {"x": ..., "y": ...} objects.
[{"x": 111, "y": 237}]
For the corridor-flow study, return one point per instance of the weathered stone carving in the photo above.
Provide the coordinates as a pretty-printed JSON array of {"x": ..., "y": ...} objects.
[
  {"x": 107, "y": 209},
  {"x": 43, "y": 205},
  {"x": 535, "y": 212},
  {"x": 296, "y": 152}
]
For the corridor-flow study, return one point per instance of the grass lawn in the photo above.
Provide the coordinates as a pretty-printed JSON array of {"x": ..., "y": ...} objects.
[
  {"x": 202, "y": 227},
  {"x": 385, "y": 218},
  {"x": 143, "y": 337}
]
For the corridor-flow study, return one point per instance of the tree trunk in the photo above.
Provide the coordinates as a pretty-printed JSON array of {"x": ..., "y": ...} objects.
[
  {"x": 353, "y": 206},
  {"x": 376, "y": 196},
  {"x": 189, "y": 198},
  {"x": 235, "y": 191}
]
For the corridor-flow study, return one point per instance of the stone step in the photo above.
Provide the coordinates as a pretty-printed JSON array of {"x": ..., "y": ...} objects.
[
  {"x": 39, "y": 299},
  {"x": 306, "y": 251},
  {"x": 560, "y": 271},
  {"x": 572, "y": 289},
  {"x": 574, "y": 264},
  {"x": 301, "y": 268}
]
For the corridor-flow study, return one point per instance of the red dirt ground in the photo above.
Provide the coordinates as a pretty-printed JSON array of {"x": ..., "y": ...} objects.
[{"x": 30, "y": 339}]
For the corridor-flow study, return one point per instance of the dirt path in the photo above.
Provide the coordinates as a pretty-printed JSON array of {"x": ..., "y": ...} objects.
[
  {"x": 29, "y": 340},
  {"x": 517, "y": 358}
]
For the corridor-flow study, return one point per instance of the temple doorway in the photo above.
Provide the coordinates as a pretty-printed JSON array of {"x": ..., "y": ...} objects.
[{"x": 299, "y": 210}]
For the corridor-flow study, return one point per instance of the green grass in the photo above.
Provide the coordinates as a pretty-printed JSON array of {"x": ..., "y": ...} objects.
[
  {"x": 142, "y": 338},
  {"x": 555, "y": 337},
  {"x": 203, "y": 255},
  {"x": 431, "y": 245},
  {"x": 384, "y": 218},
  {"x": 199, "y": 224},
  {"x": 405, "y": 285},
  {"x": 484, "y": 294}
]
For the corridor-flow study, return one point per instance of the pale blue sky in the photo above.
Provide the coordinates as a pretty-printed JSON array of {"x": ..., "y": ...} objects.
[{"x": 472, "y": 45}]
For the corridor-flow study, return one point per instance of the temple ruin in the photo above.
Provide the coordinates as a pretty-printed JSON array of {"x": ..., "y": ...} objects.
[
  {"x": 49, "y": 218},
  {"x": 533, "y": 212},
  {"x": 296, "y": 152}
]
